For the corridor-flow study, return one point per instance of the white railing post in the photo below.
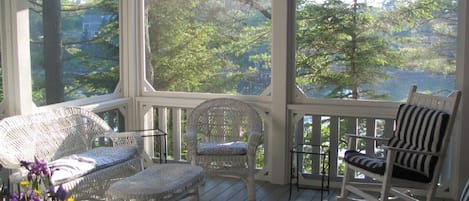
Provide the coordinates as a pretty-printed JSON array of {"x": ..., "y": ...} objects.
[
  {"x": 334, "y": 142},
  {"x": 163, "y": 125},
  {"x": 177, "y": 133}
]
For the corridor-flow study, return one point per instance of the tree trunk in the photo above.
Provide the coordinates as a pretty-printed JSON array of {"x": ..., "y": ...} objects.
[
  {"x": 354, "y": 71},
  {"x": 53, "y": 51},
  {"x": 149, "y": 71}
]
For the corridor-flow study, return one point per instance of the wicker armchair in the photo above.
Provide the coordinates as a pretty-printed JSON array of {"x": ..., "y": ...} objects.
[
  {"x": 65, "y": 138},
  {"x": 222, "y": 137}
]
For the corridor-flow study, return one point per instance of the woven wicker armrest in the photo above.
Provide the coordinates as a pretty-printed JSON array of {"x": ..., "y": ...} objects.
[{"x": 253, "y": 141}]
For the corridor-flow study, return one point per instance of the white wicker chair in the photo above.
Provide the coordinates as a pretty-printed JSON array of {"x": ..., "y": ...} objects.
[
  {"x": 415, "y": 154},
  {"x": 65, "y": 133},
  {"x": 222, "y": 137}
]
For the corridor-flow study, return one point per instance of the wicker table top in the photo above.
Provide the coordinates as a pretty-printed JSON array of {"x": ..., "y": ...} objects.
[{"x": 158, "y": 182}]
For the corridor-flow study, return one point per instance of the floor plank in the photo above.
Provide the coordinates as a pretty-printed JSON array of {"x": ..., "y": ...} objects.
[{"x": 230, "y": 189}]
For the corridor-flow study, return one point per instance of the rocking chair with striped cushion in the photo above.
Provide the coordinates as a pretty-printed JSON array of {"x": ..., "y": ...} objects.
[{"x": 414, "y": 154}]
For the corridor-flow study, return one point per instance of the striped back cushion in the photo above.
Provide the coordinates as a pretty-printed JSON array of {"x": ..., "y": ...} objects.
[{"x": 421, "y": 129}]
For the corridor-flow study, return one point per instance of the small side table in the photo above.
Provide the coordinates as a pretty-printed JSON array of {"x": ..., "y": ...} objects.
[
  {"x": 156, "y": 133},
  {"x": 323, "y": 152}
]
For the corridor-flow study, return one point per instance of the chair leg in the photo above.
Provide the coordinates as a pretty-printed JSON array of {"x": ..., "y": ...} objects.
[
  {"x": 195, "y": 195},
  {"x": 251, "y": 187},
  {"x": 385, "y": 192},
  {"x": 431, "y": 192},
  {"x": 347, "y": 177},
  {"x": 386, "y": 187}
]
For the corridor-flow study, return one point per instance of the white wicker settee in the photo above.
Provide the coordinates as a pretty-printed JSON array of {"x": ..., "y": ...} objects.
[{"x": 64, "y": 137}]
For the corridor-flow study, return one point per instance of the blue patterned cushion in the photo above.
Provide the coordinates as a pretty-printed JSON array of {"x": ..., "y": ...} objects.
[
  {"x": 77, "y": 165},
  {"x": 417, "y": 128},
  {"x": 228, "y": 148}
]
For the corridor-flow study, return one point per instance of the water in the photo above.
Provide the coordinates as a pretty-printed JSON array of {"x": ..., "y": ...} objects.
[{"x": 398, "y": 87}]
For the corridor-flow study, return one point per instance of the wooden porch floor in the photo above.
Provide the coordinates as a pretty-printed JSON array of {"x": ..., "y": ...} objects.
[{"x": 228, "y": 189}]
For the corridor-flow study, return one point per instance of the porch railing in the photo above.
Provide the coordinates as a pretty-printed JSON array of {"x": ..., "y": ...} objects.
[{"x": 312, "y": 122}]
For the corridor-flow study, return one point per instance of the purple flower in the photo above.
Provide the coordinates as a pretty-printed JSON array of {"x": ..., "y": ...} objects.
[
  {"x": 14, "y": 197},
  {"x": 26, "y": 164},
  {"x": 38, "y": 168},
  {"x": 33, "y": 196},
  {"x": 38, "y": 174},
  {"x": 62, "y": 194},
  {"x": 52, "y": 191}
]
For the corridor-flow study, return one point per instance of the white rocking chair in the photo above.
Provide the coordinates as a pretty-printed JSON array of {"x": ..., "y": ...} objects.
[{"x": 414, "y": 154}]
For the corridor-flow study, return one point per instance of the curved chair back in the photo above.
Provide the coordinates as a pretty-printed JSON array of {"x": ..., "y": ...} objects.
[
  {"x": 224, "y": 120},
  {"x": 48, "y": 135}
]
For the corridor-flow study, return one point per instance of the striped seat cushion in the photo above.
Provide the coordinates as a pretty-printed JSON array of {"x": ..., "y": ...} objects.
[
  {"x": 417, "y": 128},
  {"x": 377, "y": 165}
]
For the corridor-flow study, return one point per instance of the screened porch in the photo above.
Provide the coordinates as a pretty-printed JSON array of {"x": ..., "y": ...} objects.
[{"x": 289, "y": 112}]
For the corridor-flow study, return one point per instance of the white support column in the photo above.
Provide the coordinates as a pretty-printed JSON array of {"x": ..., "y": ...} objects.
[
  {"x": 16, "y": 59},
  {"x": 282, "y": 67},
  {"x": 131, "y": 57},
  {"x": 459, "y": 148}
]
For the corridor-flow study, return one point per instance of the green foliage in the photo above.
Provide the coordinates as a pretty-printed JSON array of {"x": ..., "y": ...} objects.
[
  {"x": 203, "y": 47},
  {"x": 340, "y": 47},
  {"x": 346, "y": 48},
  {"x": 427, "y": 35},
  {"x": 86, "y": 56}
]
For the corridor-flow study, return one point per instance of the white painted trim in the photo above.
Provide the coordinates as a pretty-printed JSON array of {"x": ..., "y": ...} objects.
[
  {"x": 14, "y": 35},
  {"x": 458, "y": 147},
  {"x": 131, "y": 56},
  {"x": 275, "y": 162},
  {"x": 16, "y": 61}
]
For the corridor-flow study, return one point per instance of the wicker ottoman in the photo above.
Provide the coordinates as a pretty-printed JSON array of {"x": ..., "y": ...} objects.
[{"x": 159, "y": 182}]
